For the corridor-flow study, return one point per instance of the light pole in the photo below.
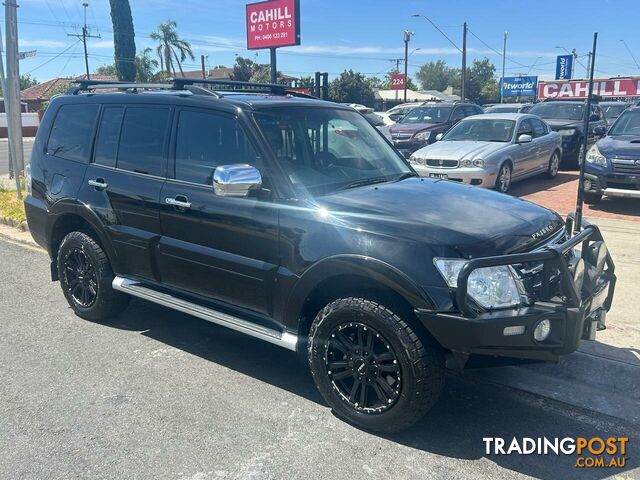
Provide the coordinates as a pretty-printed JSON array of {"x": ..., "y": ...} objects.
[
  {"x": 407, "y": 37},
  {"x": 504, "y": 57}
]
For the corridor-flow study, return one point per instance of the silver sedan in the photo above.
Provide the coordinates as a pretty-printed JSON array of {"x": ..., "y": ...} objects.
[{"x": 492, "y": 151}]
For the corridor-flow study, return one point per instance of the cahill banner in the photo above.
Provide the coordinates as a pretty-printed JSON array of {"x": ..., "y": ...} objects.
[
  {"x": 616, "y": 87},
  {"x": 274, "y": 23}
]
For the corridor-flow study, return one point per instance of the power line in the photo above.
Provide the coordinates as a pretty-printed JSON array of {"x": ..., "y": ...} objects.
[
  {"x": 53, "y": 58},
  {"x": 438, "y": 29}
]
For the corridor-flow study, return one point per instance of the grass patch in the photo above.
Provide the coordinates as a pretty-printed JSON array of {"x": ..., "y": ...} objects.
[{"x": 10, "y": 206}]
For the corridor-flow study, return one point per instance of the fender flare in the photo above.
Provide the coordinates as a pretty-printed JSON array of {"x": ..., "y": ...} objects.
[{"x": 354, "y": 265}]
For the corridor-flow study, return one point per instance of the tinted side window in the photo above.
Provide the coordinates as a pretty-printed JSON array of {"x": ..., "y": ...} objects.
[
  {"x": 471, "y": 110},
  {"x": 525, "y": 127},
  {"x": 70, "y": 136},
  {"x": 539, "y": 128},
  {"x": 108, "y": 136},
  {"x": 142, "y": 140},
  {"x": 457, "y": 113},
  {"x": 205, "y": 141}
]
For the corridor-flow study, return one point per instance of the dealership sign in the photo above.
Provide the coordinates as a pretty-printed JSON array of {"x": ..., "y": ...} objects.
[
  {"x": 564, "y": 67},
  {"x": 519, "y": 86},
  {"x": 272, "y": 24},
  {"x": 622, "y": 87},
  {"x": 397, "y": 81}
]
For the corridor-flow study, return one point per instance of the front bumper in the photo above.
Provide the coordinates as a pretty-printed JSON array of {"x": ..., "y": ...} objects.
[
  {"x": 574, "y": 315},
  {"x": 482, "y": 177},
  {"x": 613, "y": 184}
]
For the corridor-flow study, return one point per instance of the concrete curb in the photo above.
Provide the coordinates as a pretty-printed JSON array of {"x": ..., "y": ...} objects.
[
  {"x": 595, "y": 380},
  {"x": 22, "y": 226}
]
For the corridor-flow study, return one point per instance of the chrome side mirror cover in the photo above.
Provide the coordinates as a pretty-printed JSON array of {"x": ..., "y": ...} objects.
[
  {"x": 439, "y": 137},
  {"x": 236, "y": 180},
  {"x": 524, "y": 138}
]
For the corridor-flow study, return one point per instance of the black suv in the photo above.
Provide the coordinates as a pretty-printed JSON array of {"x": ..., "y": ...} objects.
[
  {"x": 567, "y": 118},
  {"x": 421, "y": 126},
  {"x": 293, "y": 220}
]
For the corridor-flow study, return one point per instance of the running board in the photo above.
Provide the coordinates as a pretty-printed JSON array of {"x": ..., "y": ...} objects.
[{"x": 132, "y": 287}]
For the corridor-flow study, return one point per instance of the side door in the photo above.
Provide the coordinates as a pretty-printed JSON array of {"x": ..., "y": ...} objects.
[
  {"x": 544, "y": 144},
  {"x": 525, "y": 155},
  {"x": 222, "y": 248},
  {"x": 123, "y": 182}
]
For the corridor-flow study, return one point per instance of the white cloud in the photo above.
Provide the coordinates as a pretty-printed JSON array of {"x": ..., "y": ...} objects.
[
  {"x": 41, "y": 43},
  {"x": 100, "y": 43}
]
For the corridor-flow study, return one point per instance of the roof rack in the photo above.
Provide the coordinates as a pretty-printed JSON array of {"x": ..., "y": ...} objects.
[{"x": 193, "y": 85}]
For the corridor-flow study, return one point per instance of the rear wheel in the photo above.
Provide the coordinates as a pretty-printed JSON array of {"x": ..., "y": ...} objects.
[
  {"x": 371, "y": 367},
  {"x": 86, "y": 276},
  {"x": 554, "y": 165},
  {"x": 503, "y": 182}
]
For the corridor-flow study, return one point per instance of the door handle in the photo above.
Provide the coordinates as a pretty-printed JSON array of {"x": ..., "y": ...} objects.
[
  {"x": 99, "y": 183},
  {"x": 179, "y": 201}
]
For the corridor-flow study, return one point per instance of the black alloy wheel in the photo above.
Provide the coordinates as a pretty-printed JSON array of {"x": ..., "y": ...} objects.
[{"x": 80, "y": 277}]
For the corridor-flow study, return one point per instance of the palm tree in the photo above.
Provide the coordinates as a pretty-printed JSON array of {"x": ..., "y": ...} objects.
[{"x": 171, "y": 47}]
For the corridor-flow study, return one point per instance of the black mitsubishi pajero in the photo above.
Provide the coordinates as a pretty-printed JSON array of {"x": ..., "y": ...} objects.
[{"x": 293, "y": 220}]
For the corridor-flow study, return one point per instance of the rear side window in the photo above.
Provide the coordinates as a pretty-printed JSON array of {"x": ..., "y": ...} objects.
[
  {"x": 206, "y": 141},
  {"x": 70, "y": 136},
  {"x": 142, "y": 140},
  {"x": 539, "y": 128},
  {"x": 108, "y": 135}
]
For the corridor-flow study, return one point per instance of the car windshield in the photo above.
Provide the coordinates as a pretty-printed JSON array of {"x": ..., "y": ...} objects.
[
  {"x": 427, "y": 115},
  {"x": 482, "y": 130},
  {"x": 613, "y": 111},
  {"x": 374, "y": 119},
  {"x": 568, "y": 111},
  {"x": 627, "y": 124},
  {"x": 502, "y": 109},
  {"x": 323, "y": 150}
]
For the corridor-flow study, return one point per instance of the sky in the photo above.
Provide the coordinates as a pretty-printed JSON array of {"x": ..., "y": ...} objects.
[{"x": 364, "y": 35}]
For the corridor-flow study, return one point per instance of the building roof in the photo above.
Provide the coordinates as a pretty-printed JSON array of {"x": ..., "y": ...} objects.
[
  {"x": 416, "y": 96},
  {"x": 43, "y": 91}
]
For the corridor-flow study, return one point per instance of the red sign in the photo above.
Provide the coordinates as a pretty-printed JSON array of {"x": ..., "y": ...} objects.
[
  {"x": 397, "y": 81},
  {"x": 620, "y": 87},
  {"x": 275, "y": 23}
]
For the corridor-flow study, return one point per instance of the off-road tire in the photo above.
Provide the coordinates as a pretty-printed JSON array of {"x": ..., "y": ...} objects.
[
  {"x": 107, "y": 302},
  {"x": 420, "y": 358}
]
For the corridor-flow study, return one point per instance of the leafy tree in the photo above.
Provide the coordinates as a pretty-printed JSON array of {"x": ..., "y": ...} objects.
[
  {"x": 123, "y": 39},
  {"x": 170, "y": 47},
  {"x": 145, "y": 66},
  {"x": 482, "y": 85},
  {"x": 306, "y": 82},
  {"x": 437, "y": 76},
  {"x": 107, "y": 70},
  {"x": 26, "y": 81},
  {"x": 242, "y": 69},
  {"x": 351, "y": 87}
]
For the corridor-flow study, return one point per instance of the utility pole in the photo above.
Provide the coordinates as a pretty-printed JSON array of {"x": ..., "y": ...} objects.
[
  {"x": 274, "y": 69},
  {"x": 204, "y": 73},
  {"x": 463, "y": 89},
  {"x": 12, "y": 91},
  {"x": 575, "y": 60},
  {"x": 407, "y": 38},
  {"x": 589, "y": 65},
  {"x": 504, "y": 57},
  {"x": 83, "y": 36}
]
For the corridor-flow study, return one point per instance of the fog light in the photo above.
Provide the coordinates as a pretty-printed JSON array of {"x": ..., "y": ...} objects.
[
  {"x": 513, "y": 331},
  {"x": 587, "y": 184},
  {"x": 542, "y": 330}
]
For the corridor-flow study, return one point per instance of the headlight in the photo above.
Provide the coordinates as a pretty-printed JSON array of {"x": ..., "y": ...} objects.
[
  {"x": 424, "y": 136},
  {"x": 418, "y": 160},
  {"x": 27, "y": 178},
  {"x": 594, "y": 156},
  {"x": 466, "y": 163},
  {"x": 478, "y": 162},
  {"x": 490, "y": 287},
  {"x": 567, "y": 132}
]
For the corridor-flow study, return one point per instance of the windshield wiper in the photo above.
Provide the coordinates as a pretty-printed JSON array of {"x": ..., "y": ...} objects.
[
  {"x": 364, "y": 181},
  {"x": 404, "y": 175}
]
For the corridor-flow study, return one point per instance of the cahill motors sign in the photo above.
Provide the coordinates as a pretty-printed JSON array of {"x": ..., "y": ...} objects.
[
  {"x": 612, "y": 87},
  {"x": 271, "y": 24},
  {"x": 519, "y": 86}
]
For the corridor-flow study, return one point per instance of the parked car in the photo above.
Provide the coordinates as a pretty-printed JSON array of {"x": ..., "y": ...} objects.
[
  {"x": 612, "y": 165},
  {"x": 509, "y": 108},
  {"x": 612, "y": 110},
  {"x": 492, "y": 151},
  {"x": 385, "y": 118},
  {"x": 567, "y": 118},
  {"x": 373, "y": 118},
  {"x": 250, "y": 210},
  {"x": 420, "y": 126},
  {"x": 399, "y": 111}
]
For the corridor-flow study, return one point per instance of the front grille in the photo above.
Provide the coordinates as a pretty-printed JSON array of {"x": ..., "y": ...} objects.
[
  {"x": 623, "y": 165},
  {"x": 439, "y": 163},
  {"x": 401, "y": 136}
]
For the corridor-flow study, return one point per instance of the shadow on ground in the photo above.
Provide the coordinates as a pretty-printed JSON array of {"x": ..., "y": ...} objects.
[{"x": 467, "y": 412}]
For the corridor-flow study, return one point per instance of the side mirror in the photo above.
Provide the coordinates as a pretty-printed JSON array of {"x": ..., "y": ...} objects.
[
  {"x": 236, "y": 180},
  {"x": 395, "y": 116},
  {"x": 439, "y": 137},
  {"x": 524, "y": 138},
  {"x": 456, "y": 120},
  {"x": 600, "y": 131}
]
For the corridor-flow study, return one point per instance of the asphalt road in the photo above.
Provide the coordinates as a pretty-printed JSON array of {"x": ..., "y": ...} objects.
[
  {"x": 4, "y": 155},
  {"x": 158, "y": 394}
]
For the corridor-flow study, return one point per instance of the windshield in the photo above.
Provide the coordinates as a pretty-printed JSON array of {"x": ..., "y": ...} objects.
[
  {"x": 627, "y": 124},
  {"x": 568, "y": 111},
  {"x": 613, "y": 111},
  {"x": 427, "y": 115},
  {"x": 482, "y": 130},
  {"x": 502, "y": 110},
  {"x": 374, "y": 119},
  {"x": 323, "y": 150}
]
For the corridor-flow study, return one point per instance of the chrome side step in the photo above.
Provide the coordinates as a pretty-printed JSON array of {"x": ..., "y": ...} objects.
[{"x": 132, "y": 287}]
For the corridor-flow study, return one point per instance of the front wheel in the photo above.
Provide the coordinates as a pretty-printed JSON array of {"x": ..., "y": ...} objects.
[
  {"x": 503, "y": 182},
  {"x": 371, "y": 367},
  {"x": 554, "y": 165}
]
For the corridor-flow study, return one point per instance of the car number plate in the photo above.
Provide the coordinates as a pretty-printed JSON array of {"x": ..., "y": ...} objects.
[{"x": 439, "y": 175}]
